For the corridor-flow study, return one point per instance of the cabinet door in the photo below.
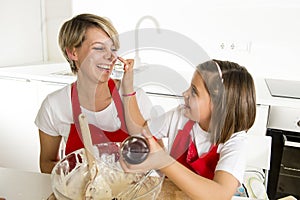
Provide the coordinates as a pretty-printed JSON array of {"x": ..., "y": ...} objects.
[
  {"x": 260, "y": 125},
  {"x": 45, "y": 88},
  {"x": 19, "y": 142},
  {"x": 163, "y": 103},
  {"x": 19, "y": 104}
]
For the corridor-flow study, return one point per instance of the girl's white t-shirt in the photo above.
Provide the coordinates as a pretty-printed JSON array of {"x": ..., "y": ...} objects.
[
  {"x": 232, "y": 152},
  {"x": 55, "y": 114}
]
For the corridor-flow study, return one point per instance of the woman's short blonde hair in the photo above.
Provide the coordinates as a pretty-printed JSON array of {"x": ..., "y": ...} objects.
[{"x": 72, "y": 33}]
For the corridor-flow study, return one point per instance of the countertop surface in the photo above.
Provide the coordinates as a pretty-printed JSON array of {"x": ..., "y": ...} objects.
[
  {"x": 61, "y": 73},
  {"x": 21, "y": 185},
  {"x": 52, "y": 72}
]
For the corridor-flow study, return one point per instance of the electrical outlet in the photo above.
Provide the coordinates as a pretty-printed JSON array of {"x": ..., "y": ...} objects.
[
  {"x": 235, "y": 46},
  {"x": 240, "y": 46}
]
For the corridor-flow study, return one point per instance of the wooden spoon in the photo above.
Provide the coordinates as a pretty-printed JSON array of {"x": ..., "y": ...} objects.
[{"x": 92, "y": 164}]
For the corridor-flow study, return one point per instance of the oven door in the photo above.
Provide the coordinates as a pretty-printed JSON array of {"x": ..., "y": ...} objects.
[{"x": 284, "y": 175}]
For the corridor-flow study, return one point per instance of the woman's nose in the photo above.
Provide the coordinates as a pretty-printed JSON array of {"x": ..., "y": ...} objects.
[{"x": 110, "y": 55}]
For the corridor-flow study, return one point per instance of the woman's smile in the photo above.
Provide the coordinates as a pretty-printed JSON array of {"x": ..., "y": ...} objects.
[{"x": 105, "y": 67}]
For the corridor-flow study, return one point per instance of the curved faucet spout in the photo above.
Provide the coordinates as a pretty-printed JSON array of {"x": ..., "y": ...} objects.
[{"x": 137, "y": 58}]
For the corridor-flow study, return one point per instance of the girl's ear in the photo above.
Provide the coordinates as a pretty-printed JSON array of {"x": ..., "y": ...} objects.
[{"x": 72, "y": 55}]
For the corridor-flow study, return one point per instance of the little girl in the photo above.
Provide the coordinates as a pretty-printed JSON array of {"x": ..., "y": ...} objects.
[{"x": 206, "y": 135}]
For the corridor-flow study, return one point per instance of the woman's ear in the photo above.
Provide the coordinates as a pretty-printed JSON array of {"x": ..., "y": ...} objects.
[{"x": 72, "y": 55}]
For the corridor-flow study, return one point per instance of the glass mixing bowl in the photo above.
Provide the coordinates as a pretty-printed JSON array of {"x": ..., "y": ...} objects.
[{"x": 70, "y": 176}]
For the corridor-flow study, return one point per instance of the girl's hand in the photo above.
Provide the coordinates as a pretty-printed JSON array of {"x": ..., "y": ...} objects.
[
  {"x": 127, "y": 81},
  {"x": 157, "y": 159}
]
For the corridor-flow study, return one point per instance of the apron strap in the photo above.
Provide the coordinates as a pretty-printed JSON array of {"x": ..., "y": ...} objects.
[
  {"x": 182, "y": 140},
  {"x": 118, "y": 103}
]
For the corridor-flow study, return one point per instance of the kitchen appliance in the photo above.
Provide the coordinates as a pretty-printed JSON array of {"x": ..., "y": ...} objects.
[
  {"x": 284, "y": 128},
  {"x": 284, "y": 174},
  {"x": 284, "y": 88}
]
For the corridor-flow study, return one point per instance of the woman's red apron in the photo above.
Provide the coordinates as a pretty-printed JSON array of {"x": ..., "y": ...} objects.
[
  {"x": 185, "y": 152},
  {"x": 74, "y": 141}
]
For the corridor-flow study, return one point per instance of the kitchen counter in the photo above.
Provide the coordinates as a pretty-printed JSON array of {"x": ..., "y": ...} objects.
[
  {"x": 170, "y": 191},
  {"x": 52, "y": 72},
  {"x": 20, "y": 185},
  {"x": 60, "y": 73}
]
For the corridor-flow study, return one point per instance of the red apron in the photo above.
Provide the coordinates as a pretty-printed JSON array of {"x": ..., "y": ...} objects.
[
  {"x": 74, "y": 141},
  {"x": 185, "y": 152}
]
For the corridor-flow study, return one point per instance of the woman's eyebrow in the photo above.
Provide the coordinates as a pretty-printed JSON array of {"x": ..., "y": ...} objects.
[
  {"x": 103, "y": 43},
  {"x": 97, "y": 42}
]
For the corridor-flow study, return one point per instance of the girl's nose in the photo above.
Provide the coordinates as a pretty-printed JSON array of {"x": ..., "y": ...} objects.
[{"x": 185, "y": 94}]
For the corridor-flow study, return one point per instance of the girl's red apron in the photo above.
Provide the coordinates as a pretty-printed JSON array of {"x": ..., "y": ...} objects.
[
  {"x": 184, "y": 150},
  {"x": 74, "y": 141}
]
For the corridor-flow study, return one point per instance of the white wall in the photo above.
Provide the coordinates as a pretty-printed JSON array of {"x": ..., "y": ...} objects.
[
  {"x": 265, "y": 34},
  {"x": 21, "y": 39},
  {"x": 56, "y": 12}
]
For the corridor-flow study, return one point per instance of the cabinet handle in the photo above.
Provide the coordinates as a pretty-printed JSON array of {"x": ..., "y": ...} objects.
[
  {"x": 14, "y": 78},
  {"x": 292, "y": 144},
  {"x": 54, "y": 83}
]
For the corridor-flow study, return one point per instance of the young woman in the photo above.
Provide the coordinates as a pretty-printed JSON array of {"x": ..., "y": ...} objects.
[
  {"x": 89, "y": 43},
  {"x": 206, "y": 135}
]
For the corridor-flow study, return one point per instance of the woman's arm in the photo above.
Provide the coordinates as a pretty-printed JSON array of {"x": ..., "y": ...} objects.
[{"x": 49, "y": 151}]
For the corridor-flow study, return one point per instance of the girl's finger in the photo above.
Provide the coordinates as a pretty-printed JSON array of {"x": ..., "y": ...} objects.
[{"x": 127, "y": 63}]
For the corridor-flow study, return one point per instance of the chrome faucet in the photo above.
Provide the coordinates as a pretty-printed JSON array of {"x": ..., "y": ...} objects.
[{"x": 137, "y": 59}]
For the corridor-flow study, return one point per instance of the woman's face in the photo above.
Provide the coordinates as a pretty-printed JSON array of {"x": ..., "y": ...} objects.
[
  {"x": 197, "y": 102},
  {"x": 96, "y": 56}
]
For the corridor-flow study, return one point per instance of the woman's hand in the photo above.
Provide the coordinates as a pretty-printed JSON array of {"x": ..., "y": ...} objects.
[
  {"x": 158, "y": 158},
  {"x": 127, "y": 81}
]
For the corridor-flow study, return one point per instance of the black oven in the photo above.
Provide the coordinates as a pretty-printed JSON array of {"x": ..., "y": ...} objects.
[{"x": 284, "y": 174}]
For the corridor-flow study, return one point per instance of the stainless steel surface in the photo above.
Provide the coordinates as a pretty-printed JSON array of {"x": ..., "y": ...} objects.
[
  {"x": 284, "y": 88},
  {"x": 284, "y": 118}
]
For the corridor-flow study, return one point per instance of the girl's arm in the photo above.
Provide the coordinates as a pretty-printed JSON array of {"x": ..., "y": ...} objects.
[
  {"x": 223, "y": 186},
  {"x": 133, "y": 117}
]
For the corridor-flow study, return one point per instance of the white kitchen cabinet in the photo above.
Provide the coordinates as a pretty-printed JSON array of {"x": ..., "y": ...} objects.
[
  {"x": 45, "y": 88},
  {"x": 163, "y": 103},
  {"x": 260, "y": 124},
  {"x": 19, "y": 143},
  {"x": 19, "y": 104}
]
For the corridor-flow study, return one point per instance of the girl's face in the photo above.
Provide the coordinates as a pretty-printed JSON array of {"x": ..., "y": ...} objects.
[
  {"x": 96, "y": 56},
  {"x": 197, "y": 102}
]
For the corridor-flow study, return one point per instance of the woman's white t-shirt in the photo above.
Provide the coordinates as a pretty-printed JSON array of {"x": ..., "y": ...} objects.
[
  {"x": 55, "y": 114},
  {"x": 232, "y": 152}
]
